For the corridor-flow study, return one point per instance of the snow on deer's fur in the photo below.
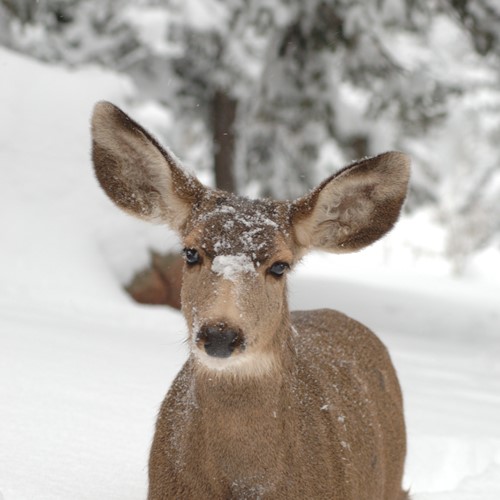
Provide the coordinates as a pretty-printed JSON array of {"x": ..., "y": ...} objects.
[{"x": 270, "y": 404}]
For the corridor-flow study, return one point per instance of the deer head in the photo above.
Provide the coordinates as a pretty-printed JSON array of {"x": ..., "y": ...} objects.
[{"x": 237, "y": 250}]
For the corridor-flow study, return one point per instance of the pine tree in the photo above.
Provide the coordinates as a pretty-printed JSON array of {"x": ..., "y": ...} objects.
[
  {"x": 72, "y": 32},
  {"x": 276, "y": 94},
  {"x": 270, "y": 79}
]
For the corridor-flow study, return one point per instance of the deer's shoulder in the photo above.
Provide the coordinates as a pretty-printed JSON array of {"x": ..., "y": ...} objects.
[{"x": 331, "y": 334}]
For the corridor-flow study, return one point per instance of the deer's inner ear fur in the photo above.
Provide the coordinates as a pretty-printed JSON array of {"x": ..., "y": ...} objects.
[
  {"x": 137, "y": 174},
  {"x": 355, "y": 207}
]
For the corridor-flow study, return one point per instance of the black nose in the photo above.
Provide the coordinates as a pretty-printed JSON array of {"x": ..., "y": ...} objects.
[{"x": 219, "y": 340}]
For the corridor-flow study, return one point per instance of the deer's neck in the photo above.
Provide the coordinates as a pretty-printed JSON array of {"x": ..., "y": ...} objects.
[
  {"x": 237, "y": 417},
  {"x": 231, "y": 393}
]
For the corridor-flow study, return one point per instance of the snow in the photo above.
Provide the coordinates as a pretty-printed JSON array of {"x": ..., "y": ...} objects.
[
  {"x": 204, "y": 15},
  {"x": 84, "y": 369},
  {"x": 231, "y": 266},
  {"x": 151, "y": 26}
]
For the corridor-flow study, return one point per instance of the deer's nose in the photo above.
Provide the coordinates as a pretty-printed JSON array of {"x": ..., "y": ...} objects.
[{"x": 219, "y": 340}]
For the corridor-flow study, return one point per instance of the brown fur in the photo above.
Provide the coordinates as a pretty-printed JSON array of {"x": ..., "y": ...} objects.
[
  {"x": 308, "y": 405},
  {"x": 328, "y": 425}
]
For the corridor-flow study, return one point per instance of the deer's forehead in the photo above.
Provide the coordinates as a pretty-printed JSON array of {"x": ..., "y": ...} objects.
[{"x": 238, "y": 226}]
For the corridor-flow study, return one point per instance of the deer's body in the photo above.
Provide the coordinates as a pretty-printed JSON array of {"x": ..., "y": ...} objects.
[
  {"x": 269, "y": 405},
  {"x": 318, "y": 430}
]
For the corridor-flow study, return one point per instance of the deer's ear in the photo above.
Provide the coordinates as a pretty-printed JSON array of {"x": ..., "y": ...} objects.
[
  {"x": 354, "y": 207},
  {"x": 138, "y": 174}
]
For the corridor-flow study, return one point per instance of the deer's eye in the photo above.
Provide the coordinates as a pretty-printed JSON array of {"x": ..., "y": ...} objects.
[
  {"x": 278, "y": 269},
  {"x": 192, "y": 256}
]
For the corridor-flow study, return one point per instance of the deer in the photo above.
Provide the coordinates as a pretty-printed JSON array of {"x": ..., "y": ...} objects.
[{"x": 270, "y": 404}]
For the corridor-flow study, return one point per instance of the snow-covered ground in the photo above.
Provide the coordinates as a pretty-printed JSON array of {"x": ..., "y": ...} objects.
[{"x": 83, "y": 369}]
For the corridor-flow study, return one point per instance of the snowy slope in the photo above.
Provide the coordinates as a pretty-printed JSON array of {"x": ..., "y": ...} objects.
[{"x": 83, "y": 369}]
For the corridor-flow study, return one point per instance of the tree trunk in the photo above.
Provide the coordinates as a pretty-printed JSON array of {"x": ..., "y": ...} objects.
[{"x": 223, "y": 118}]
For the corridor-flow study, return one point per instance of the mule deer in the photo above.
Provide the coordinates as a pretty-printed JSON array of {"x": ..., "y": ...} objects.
[{"x": 270, "y": 404}]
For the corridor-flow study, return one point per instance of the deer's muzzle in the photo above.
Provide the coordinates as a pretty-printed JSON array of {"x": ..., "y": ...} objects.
[{"x": 219, "y": 340}]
